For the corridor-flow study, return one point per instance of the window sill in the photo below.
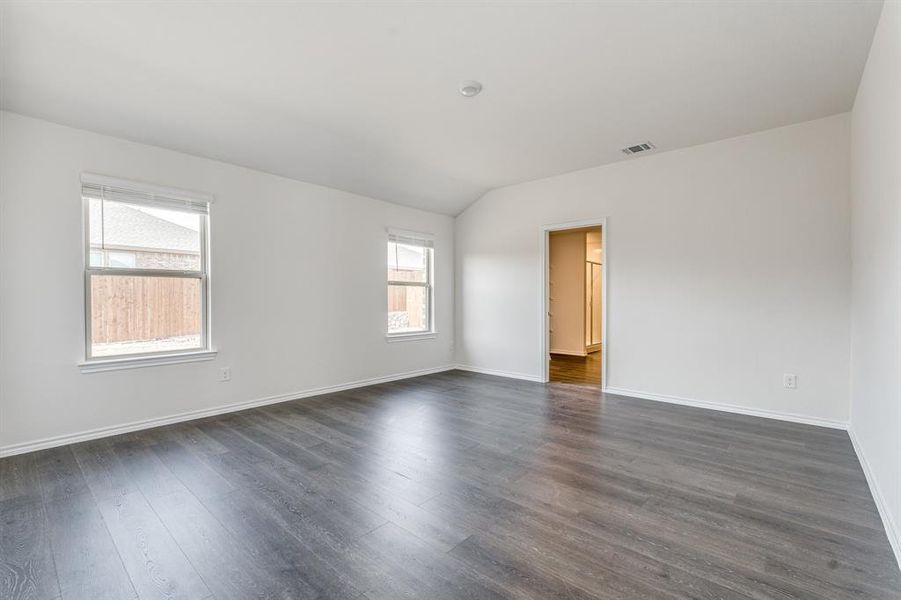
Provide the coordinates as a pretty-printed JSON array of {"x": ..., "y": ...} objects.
[
  {"x": 137, "y": 362},
  {"x": 409, "y": 337}
]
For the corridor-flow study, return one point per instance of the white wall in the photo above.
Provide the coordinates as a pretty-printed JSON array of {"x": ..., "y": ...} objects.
[
  {"x": 287, "y": 315},
  {"x": 567, "y": 292},
  {"x": 876, "y": 272},
  {"x": 728, "y": 265}
]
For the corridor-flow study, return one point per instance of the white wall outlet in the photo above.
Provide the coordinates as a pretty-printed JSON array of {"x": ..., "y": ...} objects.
[
  {"x": 790, "y": 381},
  {"x": 225, "y": 374}
]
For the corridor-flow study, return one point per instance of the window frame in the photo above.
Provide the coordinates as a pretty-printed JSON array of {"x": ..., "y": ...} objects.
[
  {"x": 428, "y": 285},
  {"x": 93, "y": 363}
]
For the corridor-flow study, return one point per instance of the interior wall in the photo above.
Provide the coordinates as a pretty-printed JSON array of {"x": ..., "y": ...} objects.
[
  {"x": 298, "y": 286},
  {"x": 876, "y": 272},
  {"x": 566, "y": 283},
  {"x": 728, "y": 266}
]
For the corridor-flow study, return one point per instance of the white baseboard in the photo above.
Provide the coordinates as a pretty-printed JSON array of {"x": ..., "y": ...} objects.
[
  {"x": 730, "y": 408},
  {"x": 62, "y": 440},
  {"x": 891, "y": 529},
  {"x": 583, "y": 354},
  {"x": 508, "y": 374}
]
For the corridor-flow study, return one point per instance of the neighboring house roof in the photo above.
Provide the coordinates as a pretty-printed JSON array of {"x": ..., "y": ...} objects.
[
  {"x": 128, "y": 227},
  {"x": 404, "y": 257}
]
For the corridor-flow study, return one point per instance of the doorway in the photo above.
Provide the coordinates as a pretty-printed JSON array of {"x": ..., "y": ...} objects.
[{"x": 575, "y": 307}]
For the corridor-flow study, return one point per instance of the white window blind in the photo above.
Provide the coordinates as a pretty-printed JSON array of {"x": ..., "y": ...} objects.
[
  {"x": 411, "y": 238},
  {"x": 98, "y": 187}
]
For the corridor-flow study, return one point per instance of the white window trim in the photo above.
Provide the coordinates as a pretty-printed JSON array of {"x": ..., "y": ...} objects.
[
  {"x": 431, "y": 332},
  {"x": 92, "y": 364},
  {"x": 410, "y": 337},
  {"x": 99, "y": 365}
]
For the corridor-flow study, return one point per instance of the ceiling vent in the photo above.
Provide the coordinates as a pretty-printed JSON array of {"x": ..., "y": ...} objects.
[{"x": 638, "y": 148}]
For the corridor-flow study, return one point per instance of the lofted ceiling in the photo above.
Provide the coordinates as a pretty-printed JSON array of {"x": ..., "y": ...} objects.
[{"x": 363, "y": 96}]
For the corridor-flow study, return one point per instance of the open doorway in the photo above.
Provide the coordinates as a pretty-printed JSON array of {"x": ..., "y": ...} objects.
[{"x": 575, "y": 305}]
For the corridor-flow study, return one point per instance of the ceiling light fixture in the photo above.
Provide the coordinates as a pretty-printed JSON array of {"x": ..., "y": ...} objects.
[{"x": 470, "y": 88}]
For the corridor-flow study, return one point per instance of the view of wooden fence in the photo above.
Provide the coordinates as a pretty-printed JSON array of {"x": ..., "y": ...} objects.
[
  {"x": 127, "y": 308},
  {"x": 410, "y": 300}
]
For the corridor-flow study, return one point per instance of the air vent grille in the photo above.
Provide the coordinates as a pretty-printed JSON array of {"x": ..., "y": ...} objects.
[{"x": 643, "y": 147}]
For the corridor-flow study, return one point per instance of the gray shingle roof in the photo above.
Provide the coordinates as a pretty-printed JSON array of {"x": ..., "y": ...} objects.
[{"x": 126, "y": 226}]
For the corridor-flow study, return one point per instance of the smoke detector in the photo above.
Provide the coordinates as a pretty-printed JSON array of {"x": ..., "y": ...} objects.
[
  {"x": 637, "y": 148},
  {"x": 470, "y": 88}
]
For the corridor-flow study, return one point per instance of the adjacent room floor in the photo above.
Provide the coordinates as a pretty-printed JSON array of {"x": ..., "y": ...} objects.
[
  {"x": 578, "y": 370},
  {"x": 453, "y": 485}
]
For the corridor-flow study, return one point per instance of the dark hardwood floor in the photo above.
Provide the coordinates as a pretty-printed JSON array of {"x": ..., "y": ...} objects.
[
  {"x": 577, "y": 370},
  {"x": 453, "y": 485}
]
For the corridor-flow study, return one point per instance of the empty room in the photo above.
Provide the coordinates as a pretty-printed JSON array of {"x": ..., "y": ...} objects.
[{"x": 450, "y": 299}]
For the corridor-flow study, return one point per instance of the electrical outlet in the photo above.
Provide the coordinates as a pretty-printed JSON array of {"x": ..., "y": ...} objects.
[
  {"x": 790, "y": 381},
  {"x": 225, "y": 374}
]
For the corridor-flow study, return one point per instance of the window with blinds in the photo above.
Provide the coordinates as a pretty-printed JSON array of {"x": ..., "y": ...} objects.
[
  {"x": 410, "y": 283},
  {"x": 146, "y": 269}
]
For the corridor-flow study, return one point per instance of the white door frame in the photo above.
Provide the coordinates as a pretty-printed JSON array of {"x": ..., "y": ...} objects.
[{"x": 544, "y": 293}]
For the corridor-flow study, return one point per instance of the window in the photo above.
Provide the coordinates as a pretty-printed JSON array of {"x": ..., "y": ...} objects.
[
  {"x": 124, "y": 260},
  {"x": 146, "y": 270},
  {"x": 410, "y": 275}
]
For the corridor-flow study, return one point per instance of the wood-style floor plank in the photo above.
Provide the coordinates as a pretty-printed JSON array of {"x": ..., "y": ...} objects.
[
  {"x": 225, "y": 562},
  {"x": 453, "y": 485},
  {"x": 28, "y": 572},
  {"x": 577, "y": 370},
  {"x": 19, "y": 476},
  {"x": 87, "y": 562},
  {"x": 155, "y": 563}
]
